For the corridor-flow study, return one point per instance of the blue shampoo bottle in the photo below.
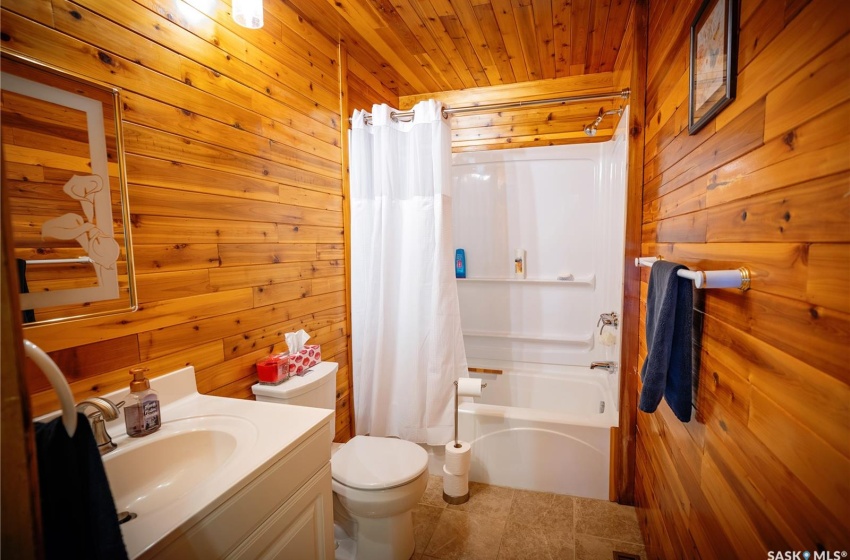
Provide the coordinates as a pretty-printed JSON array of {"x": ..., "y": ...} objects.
[{"x": 460, "y": 264}]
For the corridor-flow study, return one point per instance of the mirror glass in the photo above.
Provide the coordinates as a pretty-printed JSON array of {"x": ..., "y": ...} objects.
[{"x": 64, "y": 193}]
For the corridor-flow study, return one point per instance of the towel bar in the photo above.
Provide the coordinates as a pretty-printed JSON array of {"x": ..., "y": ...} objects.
[
  {"x": 78, "y": 260},
  {"x": 706, "y": 279},
  {"x": 60, "y": 385}
]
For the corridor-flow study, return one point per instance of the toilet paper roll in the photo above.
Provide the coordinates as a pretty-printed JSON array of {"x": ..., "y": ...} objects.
[
  {"x": 457, "y": 458},
  {"x": 455, "y": 485},
  {"x": 468, "y": 387}
]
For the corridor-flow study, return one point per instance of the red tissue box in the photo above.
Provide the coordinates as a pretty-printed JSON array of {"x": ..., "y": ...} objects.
[
  {"x": 304, "y": 359},
  {"x": 273, "y": 369}
]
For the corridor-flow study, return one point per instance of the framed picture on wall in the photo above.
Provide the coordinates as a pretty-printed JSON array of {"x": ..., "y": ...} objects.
[{"x": 714, "y": 61}]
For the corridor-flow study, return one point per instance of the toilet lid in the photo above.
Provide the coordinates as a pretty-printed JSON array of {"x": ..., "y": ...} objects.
[{"x": 376, "y": 463}]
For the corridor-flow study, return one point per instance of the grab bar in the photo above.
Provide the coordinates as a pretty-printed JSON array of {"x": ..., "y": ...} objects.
[
  {"x": 706, "y": 279},
  {"x": 60, "y": 385}
]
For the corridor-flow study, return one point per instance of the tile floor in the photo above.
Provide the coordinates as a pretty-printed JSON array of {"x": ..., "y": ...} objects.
[{"x": 505, "y": 524}]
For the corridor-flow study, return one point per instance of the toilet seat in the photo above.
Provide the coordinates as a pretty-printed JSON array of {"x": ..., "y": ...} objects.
[{"x": 376, "y": 463}]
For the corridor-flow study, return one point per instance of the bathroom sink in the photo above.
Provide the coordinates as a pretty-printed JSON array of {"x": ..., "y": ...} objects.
[
  {"x": 150, "y": 472},
  {"x": 208, "y": 451}
]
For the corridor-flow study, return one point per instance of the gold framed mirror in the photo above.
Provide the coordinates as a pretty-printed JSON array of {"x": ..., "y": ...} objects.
[{"x": 65, "y": 192}]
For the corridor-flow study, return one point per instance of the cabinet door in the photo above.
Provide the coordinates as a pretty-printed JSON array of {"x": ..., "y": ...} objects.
[{"x": 301, "y": 529}]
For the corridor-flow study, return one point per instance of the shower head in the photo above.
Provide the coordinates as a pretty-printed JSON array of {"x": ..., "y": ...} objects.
[{"x": 590, "y": 129}]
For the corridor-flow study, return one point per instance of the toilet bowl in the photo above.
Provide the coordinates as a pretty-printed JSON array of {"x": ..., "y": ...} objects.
[{"x": 376, "y": 481}]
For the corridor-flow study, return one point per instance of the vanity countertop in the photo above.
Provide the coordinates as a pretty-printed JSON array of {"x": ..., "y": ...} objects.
[{"x": 207, "y": 449}]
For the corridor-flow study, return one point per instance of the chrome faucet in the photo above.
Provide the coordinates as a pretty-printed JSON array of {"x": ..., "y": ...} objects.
[
  {"x": 610, "y": 366},
  {"x": 106, "y": 410}
]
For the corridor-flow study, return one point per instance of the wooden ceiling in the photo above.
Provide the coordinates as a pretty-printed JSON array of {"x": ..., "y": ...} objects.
[{"x": 422, "y": 46}]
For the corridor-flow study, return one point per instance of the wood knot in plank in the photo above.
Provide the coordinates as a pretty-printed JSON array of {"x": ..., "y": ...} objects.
[
  {"x": 790, "y": 139},
  {"x": 104, "y": 58}
]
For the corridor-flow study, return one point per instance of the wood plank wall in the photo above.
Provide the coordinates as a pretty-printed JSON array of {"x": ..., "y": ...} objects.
[
  {"x": 630, "y": 72},
  {"x": 765, "y": 463},
  {"x": 20, "y": 535},
  {"x": 234, "y": 169},
  {"x": 527, "y": 127}
]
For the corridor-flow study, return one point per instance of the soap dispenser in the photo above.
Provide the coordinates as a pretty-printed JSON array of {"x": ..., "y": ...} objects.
[{"x": 141, "y": 411}]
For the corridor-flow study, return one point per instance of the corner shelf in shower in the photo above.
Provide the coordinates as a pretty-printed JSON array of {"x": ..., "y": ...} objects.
[
  {"x": 586, "y": 340},
  {"x": 588, "y": 280}
]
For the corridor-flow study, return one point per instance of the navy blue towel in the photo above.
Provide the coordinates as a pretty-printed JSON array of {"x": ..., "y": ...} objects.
[
  {"x": 669, "y": 332},
  {"x": 77, "y": 512},
  {"x": 28, "y": 314}
]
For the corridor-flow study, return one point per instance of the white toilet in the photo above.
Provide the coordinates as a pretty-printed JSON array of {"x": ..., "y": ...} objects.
[{"x": 376, "y": 481}]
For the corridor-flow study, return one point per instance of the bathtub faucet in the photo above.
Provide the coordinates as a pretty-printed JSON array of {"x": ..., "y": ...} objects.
[{"x": 610, "y": 366}]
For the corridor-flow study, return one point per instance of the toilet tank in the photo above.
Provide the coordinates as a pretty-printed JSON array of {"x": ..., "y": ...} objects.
[{"x": 316, "y": 388}]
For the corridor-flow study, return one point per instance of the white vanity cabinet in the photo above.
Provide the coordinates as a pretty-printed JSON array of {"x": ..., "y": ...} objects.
[
  {"x": 286, "y": 511},
  {"x": 298, "y": 529}
]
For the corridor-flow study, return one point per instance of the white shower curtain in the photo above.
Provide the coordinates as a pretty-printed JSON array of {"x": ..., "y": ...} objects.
[{"x": 407, "y": 340}]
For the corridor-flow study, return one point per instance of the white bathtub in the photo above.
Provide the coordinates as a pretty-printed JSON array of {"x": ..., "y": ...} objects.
[{"x": 547, "y": 431}]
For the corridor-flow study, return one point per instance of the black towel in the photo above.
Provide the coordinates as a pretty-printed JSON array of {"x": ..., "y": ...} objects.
[
  {"x": 669, "y": 332},
  {"x": 28, "y": 314},
  {"x": 77, "y": 511}
]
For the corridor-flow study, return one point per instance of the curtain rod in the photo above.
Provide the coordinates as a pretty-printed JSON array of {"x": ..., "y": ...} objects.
[{"x": 624, "y": 94}]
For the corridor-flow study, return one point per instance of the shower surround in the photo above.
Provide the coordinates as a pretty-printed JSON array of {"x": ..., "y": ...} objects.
[{"x": 544, "y": 422}]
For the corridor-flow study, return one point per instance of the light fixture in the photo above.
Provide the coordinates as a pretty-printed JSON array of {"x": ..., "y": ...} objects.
[{"x": 248, "y": 13}]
